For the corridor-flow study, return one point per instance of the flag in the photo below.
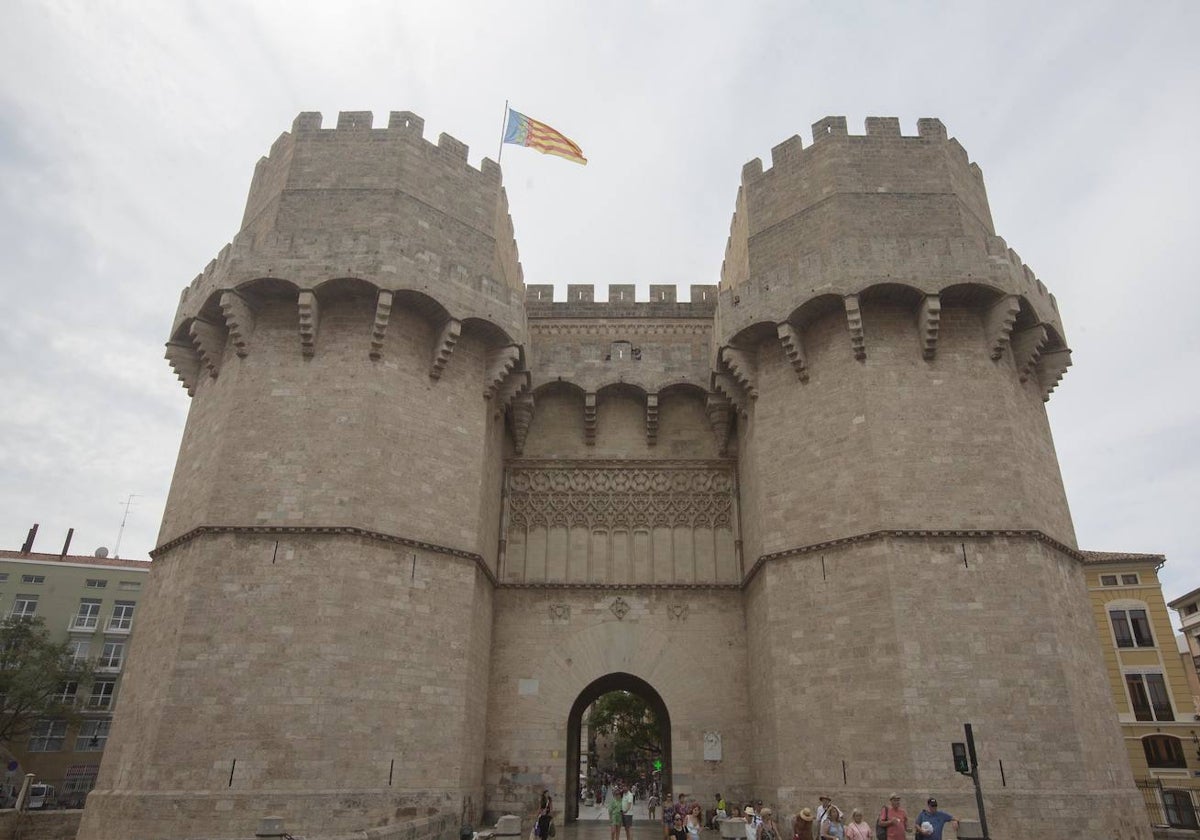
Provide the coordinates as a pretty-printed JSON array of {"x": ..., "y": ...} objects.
[{"x": 523, "y": 131}]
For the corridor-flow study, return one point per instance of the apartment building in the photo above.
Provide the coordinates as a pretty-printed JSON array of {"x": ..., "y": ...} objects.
[
  {"x": 1154, "y": 698},
  {"x": 90, "y": 602}
]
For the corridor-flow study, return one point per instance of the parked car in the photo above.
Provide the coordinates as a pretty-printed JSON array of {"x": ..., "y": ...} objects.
[{"x": 41, "y": 796}]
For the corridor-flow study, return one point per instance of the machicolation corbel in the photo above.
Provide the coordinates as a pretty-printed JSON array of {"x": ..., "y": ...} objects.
[
  {"x": 929, "y": 315},
  {"x": 1000, "y": 319},
  {"x": 651, "y": 419},
  {"x": 792, "y": 342},
  {"x": 501, "y": 363},
  {"x": 443, "y": 348},
  {"x": 383, "y": 314},
  {"x": 210, "y": 341},
  {"x": 522, "y": 417},
  {"x": 589, "y": 418},
  {"x": 310, "y": 313},
  {"x": 185, "y": 361},
  {"x": 1027, "y": 349},
  {"x": 854, "y": 321},
  {"x": 239, "y": 320},
  {"x": 741, "y": 366},
  {"x": 1051, "y": 368},
  {"x": 717, "y": 407}
]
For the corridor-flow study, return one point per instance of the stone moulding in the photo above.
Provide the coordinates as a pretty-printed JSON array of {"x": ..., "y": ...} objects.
[
  {"x": 929, "y": 316},
  {"x": 903, "y": 533},
  {"x": 323, "y": 530}
]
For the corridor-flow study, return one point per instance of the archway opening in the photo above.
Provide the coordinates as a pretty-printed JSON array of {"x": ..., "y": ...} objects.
[{"x": 637, "y": 738}]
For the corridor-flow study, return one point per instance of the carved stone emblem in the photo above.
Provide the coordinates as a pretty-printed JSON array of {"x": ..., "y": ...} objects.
[
  {"x": 560, "y": 612},
  {"x": 712, "y": 746},
  {"x": 620, "y": 608},
  {"x": 677, "y": 612}
]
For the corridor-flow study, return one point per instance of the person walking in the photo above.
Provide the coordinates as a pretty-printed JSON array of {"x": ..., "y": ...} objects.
[
  {"x": 767, "y": 829},
  {"x": 802, "y": 825},
  {"x": 931, "y": 821},
  {"x": 751, "y": 823},
  {"x": 652, "y": 805},
  {"x": 614, "y": 811},
  {"x": 627, "y": 812},
  {"x": 858, "y": 828},
  {"x": 831, "y": 827},
  {"x": 894, "y": 818},
  {"x": 678, "y": 829},
  {"x": 822, "y": 809},
  {"x": 544, "y": 827}
]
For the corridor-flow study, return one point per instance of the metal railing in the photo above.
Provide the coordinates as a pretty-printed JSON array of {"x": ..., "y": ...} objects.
[{"x": 1169, "y": 807}]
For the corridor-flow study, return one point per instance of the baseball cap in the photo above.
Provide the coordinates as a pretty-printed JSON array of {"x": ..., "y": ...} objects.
[{"x": 931, "y": 801}]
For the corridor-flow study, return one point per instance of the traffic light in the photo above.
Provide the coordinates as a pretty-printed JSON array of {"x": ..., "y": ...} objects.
[{"x": 961, "y": 765}]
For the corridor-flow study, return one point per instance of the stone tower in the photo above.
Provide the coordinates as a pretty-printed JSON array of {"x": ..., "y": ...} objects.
[
  {"x": 423, "y": 514},
  {"x": 321, "y": 610}
]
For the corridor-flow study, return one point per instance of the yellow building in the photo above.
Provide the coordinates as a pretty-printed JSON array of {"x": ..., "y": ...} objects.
[
  {"x": 90, "y": 603},
  {"x": 1150, "y": 686}
]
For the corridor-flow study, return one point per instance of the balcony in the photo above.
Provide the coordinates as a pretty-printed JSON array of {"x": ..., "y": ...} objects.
[
  {"x": 83, "y": 623},
  {"x": 99, "y": 704},
  {"x": 119, "y": 625},
  {"x": 1187, "y": 621}
]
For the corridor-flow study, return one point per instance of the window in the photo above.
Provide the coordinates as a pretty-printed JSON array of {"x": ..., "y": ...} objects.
[
  {"x": 24, "y": 606},
  {"x": 1190, "y": 609},
  {"x": 96, "y": 583},
  {"x": 77, "y": 649},
  {"x": 129, "y": 585},
  {"x": 1129, "y": 580},
  {"x": 1148, "y": 696},
  {"x": 1164, "y": 751},
  {"x": 66, "y": 693},
  {"x": 3, "y": 577},
  {"x": 48, "y": 736},
  {"x": 102, "y": 694},
  {"x": 1178, "y": 807},
  {"x": 122, "y": 616},
  {"x": 88, "y": 615},
  {"x": 1108, "y": 580},
  {"x": 36, "y": 579},
  {"x": 111, "y": 656},
  {"x": 93, "y": 735},
  {"x": 1131, "y": 628}
]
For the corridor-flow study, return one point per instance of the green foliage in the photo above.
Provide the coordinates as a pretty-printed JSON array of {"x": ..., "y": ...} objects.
[
  {"x": 636, "y": 730},
  {"x": 33, "y": 671}
]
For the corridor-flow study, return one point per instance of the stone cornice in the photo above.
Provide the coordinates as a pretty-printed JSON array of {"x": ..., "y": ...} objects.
[
  {"x": 610, "y": 327},
  {"x": 619, "y": 587},
  {"x": 324, "y": 530},
  {"x": 901, "y": 533},
  {"x": 627, "y": 463}
]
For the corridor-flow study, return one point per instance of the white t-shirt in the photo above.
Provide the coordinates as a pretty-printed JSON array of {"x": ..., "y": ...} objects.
[{"x": 627, "y": 802}]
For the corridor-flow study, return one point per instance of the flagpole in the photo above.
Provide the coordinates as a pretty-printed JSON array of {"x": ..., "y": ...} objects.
[{"x": 503, "y": 127}]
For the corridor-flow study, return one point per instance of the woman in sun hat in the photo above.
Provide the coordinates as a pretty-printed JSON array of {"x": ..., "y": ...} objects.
[{"x": 802, "y": 825}]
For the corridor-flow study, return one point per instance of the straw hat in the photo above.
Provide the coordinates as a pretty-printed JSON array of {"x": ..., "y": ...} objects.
[{"x": 806, "y": 814}]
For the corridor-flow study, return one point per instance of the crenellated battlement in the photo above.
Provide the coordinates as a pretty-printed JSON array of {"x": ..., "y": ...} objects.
[{"x": 661, "y": 301}]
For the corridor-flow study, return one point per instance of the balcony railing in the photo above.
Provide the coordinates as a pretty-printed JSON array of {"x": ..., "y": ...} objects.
[
  {"x": 119, "y": 625},
  {"x": 84, "y": 622},
  {"x": 99, "y": 703}
]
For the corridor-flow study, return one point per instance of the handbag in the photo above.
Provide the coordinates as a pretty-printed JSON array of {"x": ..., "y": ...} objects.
[
  {"x": 551, "y": 831},
  {"x": 880, "y": 828}
]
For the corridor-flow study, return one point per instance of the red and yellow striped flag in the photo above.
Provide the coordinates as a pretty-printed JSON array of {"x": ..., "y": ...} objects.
[{"x": 523, "y": 131}]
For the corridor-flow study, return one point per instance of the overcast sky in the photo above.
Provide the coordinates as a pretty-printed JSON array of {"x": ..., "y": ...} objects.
[{"x": 129, "y": 133}]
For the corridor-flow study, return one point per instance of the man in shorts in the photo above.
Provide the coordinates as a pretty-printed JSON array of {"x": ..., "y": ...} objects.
[{"x": 627, "y": 812}]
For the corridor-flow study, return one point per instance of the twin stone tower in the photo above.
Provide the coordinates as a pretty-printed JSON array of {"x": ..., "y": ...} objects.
[{"x": 424, "y": 514}]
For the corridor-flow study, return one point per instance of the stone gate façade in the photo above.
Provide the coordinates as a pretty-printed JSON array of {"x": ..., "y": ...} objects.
[{"x": 420, "y": 507}]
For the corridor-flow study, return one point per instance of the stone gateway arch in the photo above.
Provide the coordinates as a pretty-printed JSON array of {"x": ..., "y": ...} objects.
[{"x": 420, "y": 507}]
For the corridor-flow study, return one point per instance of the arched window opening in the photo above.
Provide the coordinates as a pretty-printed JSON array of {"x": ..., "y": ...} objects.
[{"x": 1164, "y": 751}]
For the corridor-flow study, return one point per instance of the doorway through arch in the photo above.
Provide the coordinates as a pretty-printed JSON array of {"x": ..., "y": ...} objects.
[{"x": 617, "y": 681}]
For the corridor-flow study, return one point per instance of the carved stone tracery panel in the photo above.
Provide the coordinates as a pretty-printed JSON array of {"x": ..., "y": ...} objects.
[{"x": 621, "y": 497}]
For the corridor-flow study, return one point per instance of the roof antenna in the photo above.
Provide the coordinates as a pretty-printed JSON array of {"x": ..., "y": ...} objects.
[{"x": 128, "y": 504}]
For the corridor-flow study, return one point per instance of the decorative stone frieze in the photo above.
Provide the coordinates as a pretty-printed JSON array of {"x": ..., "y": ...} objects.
[{"x": 614, "y": 496}]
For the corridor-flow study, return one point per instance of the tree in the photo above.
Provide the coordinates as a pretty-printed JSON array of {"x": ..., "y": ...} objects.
[
  {"x": 38, "y": 678},
  {"x": 636, "y": 730}
]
